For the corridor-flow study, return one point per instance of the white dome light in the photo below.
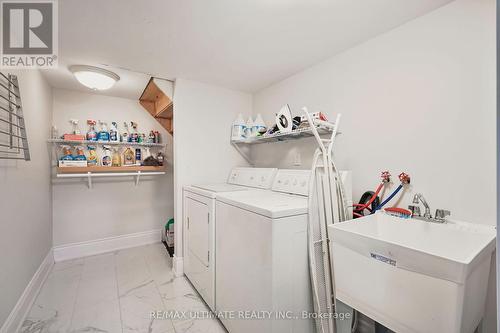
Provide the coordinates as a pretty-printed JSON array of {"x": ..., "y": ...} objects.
[{"x": 93, "y": 77}]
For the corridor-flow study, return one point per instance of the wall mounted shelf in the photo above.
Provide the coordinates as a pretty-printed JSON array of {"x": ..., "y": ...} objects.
[
  {"x": 104, "y": 169},
  {"x": 110, "y": 143},
  {"x": 100, "y": 171},
  {"x": 293, "y": 135},
  {"x": 322, "y": 128}
]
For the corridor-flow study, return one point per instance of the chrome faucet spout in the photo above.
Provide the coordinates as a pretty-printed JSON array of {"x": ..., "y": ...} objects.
[{"x": 419, "y": 197}]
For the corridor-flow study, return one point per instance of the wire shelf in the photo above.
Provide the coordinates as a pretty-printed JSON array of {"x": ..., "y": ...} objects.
[
  {"x": 110, "y": 143},
  {"x": 293, "y": 135}
]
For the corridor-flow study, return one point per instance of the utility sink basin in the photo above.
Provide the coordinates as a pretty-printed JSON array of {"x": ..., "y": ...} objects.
[{"x": 412, "y": 275}]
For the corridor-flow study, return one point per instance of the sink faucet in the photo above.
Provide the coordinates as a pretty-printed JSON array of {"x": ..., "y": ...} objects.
[
  {"x": 419, "y": 197},
  {"x": 439, "y": 217}
]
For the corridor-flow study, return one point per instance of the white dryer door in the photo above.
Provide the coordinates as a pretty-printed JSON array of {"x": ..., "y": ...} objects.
[{"x": 198, "y": 218}]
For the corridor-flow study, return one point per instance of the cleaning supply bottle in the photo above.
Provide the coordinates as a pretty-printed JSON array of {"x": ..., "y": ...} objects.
[
  {"x": 54, "y": 133},
  {"x": 259, "y": 126},
  {"x": 80, "y": 155},
  {"x": 116, "y": 161},
  {"x": 106, "y": 156},
  {"x": 248, "y": 128},
  {"x": 238, "y": 130},
  {"x": 147, "y": 153},
  {"x": 113, "y": 132},
  {"x": 134, "y": 135},
  {"x": 75, "y": 130},
  {"x": 103, "y": 134},
  {"x": 128, "y": 157},
  {"x": 92, "y": 159},
  {"x": 91, "y": 134},
  {"x": 67, "y": 154},
  {"x": 138, "y": 155},
  {"x": 161, "y": 158},
  {"x": 125, "y": 134}
]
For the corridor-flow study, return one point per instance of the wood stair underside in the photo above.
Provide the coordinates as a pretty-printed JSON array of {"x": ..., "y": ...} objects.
[{"x": 159, "y": 105}]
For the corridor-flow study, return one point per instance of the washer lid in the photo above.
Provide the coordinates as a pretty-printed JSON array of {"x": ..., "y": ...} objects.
[
  {"x": 267, "y": 203},
  {"x": 222, "y": 187}
]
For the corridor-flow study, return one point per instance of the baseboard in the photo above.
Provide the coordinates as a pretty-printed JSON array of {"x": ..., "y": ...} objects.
[
  {"x": 25, "y": 302},
  {"x": 109, "y": 244},
  {"x": 178, "y": 266}
]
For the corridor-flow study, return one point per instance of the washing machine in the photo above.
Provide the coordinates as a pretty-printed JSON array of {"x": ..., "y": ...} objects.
[
  {"x": 262, "y": 266},
  {"x": 199, "y": 215}
]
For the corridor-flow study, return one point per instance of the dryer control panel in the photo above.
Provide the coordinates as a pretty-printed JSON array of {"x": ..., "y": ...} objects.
[
  {"x": 253, "y": 177},
  {"x": 292, "y": 181}
]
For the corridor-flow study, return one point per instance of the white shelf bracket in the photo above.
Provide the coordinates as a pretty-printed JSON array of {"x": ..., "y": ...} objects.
[
  {"x": 89, "y": 179},
  {"x": 137, "y": 178},
  {"x": 244, "y": 154}
]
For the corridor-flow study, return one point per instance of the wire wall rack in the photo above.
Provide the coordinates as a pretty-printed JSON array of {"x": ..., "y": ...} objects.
[{"x": 13, "y": 138}]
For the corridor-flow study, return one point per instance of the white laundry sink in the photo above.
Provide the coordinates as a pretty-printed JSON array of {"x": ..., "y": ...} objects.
[{"x": 412, "y": 275}]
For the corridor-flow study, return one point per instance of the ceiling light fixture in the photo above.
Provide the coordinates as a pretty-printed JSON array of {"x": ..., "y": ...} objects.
[{"x": 93, "y": 77}]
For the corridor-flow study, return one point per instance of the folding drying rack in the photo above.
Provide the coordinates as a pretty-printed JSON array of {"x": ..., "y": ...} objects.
[{"x": 13, "y": 139}]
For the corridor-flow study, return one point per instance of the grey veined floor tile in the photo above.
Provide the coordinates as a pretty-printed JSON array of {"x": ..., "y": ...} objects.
[{"x": 117, "y": 293}]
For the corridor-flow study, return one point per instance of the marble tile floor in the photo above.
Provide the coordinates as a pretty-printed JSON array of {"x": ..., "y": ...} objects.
[{"x": 116, "y": 293}]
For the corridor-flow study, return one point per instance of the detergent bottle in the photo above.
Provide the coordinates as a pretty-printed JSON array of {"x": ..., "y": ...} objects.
[
  {"x": 248, "y": 128},
  {"x": 238, "y": 130},
  {"x": 117, "y": 159},
  {"x": 128, "y": 157},
  {"x": 259, "y": 126},
  {"x": 147, "y": 153}
]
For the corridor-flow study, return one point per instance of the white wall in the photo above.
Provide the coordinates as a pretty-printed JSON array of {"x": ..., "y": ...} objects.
[
  {"x": 420, "y": 99},
  {"x": 114, "y": 206},
  {"x": 203, "y": 115},
  {"x": 26, "y": 234}
]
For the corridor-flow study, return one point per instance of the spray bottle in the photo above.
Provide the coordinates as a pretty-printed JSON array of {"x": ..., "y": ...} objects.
[
  {"x": 80, "y": 154},
  {"x": 103, "y": 134},
  {"x": 74, "y": 122},
  {"x": 106, "y": 156},
  {"x": 92, "y": 159},
  {"x": 113, "y": 132},
  {"x": 125, "y": 135},
  {"x": 67, "y": 154},
  {"x": 91, "y": 134},
  {"x": 134, "y": 135}
]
